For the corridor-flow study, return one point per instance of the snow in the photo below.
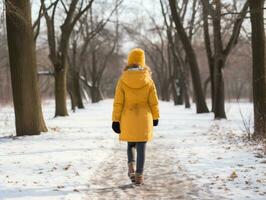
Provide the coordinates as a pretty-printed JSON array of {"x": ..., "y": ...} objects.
[
  {"x": 211, "y": 150},
  {"x": 56, "y": 164},
  {"x": 62, "y": 163}
]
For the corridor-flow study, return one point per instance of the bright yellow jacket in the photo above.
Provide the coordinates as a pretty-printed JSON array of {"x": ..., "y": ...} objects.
[{"x": 135, "y": 105}]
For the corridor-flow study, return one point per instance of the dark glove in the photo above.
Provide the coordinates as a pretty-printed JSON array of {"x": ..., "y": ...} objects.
[
  {"x": 155, "y": 122},
  {"x": 116, "y": 127}
]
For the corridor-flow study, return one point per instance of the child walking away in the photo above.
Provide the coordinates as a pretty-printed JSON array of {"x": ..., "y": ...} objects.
[{"x": 135, "y": 111}]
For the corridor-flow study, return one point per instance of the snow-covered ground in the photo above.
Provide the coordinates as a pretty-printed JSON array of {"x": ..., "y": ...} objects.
[
  {"x": 217, "y": 154},
  {"x": 56, "y": 164},
  {"x": 63, "y": 163}
]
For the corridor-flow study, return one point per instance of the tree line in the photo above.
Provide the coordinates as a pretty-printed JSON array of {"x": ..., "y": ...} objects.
[{"x": 82, "y": 44}]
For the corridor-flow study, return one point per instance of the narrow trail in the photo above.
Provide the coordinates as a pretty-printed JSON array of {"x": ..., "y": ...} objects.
[{"x": 163, "y": 177}]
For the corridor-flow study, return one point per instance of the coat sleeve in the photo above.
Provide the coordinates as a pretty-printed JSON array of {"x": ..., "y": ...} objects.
[
  {"x": 153, "y": 102},
  {"x": 118, "y": 102}
]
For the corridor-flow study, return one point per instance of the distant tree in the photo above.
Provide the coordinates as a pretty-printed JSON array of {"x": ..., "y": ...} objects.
[
  {"x": 74, "y": 88},
  {"x": 86, "y": 38},
  {"x": 217, "y": 56},
  {"x": 191, "y": 58},
  {"x": 59, "y": 45},
  {"x": 5, "y": 83},
  {"x": 179, "y": 79},
  {"x": 22, "y": 58},
  {"x": 96, "y": 52},
  {"x": 259, "y": 67}
]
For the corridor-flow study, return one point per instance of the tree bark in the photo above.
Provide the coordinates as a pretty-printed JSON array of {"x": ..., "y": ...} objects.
[
  {"x": 61, "y": 72},
  {"x": 174, "y": 93},
  {"x": 219, "y": 62},
  {"x": 186, "y": 95},
  {"x": 78, "y": 92},
  {"x": 180, "y": 92},
  {"x": 73, "y": 80},
  {"x": 96, "y": 94},
  {"x": 259, "y": 67},
  {"x": 75, "y": 90},
  {"x": 60, "y": 93},
  {"x": 209, "y": 54},
  {"x": 219, "y": 100},
  {"x": 199, "y": 97},
  {"x": 26, "y": 96}
]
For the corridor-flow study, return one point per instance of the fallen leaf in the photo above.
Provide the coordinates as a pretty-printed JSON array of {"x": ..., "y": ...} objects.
[
  {"x": 67, "y": 167},
  {"x": 233, "y": 175}
]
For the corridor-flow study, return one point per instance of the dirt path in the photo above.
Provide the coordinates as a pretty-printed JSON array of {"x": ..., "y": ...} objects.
[{"x": 164, "y": 178}]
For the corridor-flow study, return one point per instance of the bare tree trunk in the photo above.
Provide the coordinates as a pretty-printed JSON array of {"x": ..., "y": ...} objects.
[
  {"x": 211, "y": 68},
  {"x": 163, "y": 95},
  {"x": 209, "y": 54},
  {"x": 75, "y": 90},
  {"x": 78, "y": 91},
  {"x": 219, "y": 62},
  {"x": 60, "y": 93},
  {"x": 73, "y": 78},
  {"x": 186, "y": 96},
  {"x": 96, "y": 94},
  {"x": 174, "y": 92},
  {"x": 165, "y": 90},
  {"x": 73, "y": 101},
  {"x": 200, "y": 101},
  {"x": 219, "y": 100},
  {"x": 259, "y": 67},
  {"x": 180, "y": 99},
  {"x": 61, "y": 73},
  {"x": 22, "y": 57},
  {"x": 71, "y": 90}
]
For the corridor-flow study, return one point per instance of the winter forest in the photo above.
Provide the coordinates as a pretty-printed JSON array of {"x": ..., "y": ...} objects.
[{"x": 62, "y": 64}]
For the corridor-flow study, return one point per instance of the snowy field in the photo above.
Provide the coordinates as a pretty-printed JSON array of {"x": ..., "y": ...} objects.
[{"x": 69, "y": 161}]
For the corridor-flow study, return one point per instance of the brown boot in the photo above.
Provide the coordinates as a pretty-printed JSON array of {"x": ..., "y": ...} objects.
[
  {"x": 139, "y": 179},
  {"x": 131, "y": 172}
]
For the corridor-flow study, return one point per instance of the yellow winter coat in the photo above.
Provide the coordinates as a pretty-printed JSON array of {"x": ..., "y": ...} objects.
[{"x": 135, "y": 105}]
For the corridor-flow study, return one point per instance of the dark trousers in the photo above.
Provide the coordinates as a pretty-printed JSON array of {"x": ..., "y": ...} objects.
[{"x": 140, "y": 147}]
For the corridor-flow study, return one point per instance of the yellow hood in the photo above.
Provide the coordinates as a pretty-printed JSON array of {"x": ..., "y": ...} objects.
[{"x": 136, "y": 79}]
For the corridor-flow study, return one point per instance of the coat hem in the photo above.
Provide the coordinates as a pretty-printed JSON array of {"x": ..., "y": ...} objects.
[{"x": 125, "y": 140}]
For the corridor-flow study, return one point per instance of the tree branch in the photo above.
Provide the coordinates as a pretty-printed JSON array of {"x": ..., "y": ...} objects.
[
  {"x": 207, "y": 39},
  {"x": 236, "y": 30},
  {"x": 36, "y": 24},
  {"x": 77, "y": 17},
  {"x": 209, "y": 8},
  {"x": 64, "y": 5}
]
